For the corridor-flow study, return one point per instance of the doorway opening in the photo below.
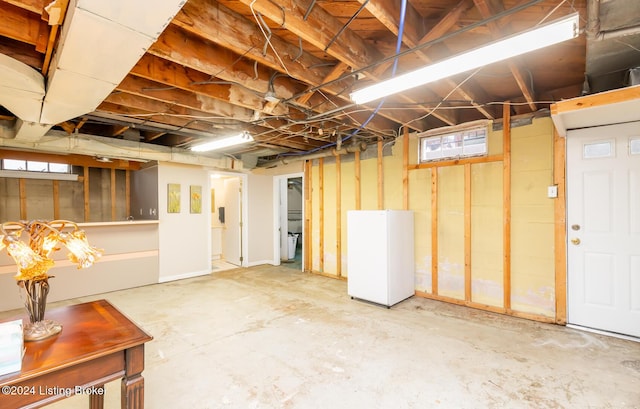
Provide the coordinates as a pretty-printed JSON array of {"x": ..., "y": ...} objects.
[
  {"x": 227, "y": 229},
  {"x": 291, "y": 220}
]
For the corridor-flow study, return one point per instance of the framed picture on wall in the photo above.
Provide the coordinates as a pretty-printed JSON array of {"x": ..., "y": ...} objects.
[
  {"x": 173, "y": 198},
  {"x": 196, "y": 198}
]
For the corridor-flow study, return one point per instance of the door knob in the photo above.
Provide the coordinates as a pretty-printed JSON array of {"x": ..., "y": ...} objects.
[{"x": 575, "y": 241}]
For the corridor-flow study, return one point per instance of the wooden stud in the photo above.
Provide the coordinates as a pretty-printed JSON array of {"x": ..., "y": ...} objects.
[
  {"x": 560, "y": 227},
  {"x": 485, "y": 307},
  {"x": 127, "y": 192},
  {"x": 506, "y": 194},
  {"x": 380, "y": 177},
  {"x": 456, "y": 162},
  {"x": 405, "y": 169},
  {"x": 321, "y": 212},
  {"x": 467, "y": 232},
  {"x": 56, "y": 199},
  {"x": 358, "y": 186},
  {"x": 114, "y": 213},
  {"x": 22, "y": 189},
  {"x": 338, "y": 217},
  {"x": 308, "y": 224},
  {"x": 434, "y": 230},
  {"x": 47, "y": 56},
  {"x": 596, "y": 100},
  {"x": 86, "y": 193}
]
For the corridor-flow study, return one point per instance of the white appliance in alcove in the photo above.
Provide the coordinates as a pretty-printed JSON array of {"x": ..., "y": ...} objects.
[{"x": 380, "y": 255}]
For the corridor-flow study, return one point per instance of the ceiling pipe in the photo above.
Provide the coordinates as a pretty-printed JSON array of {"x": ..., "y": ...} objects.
[
  {"x": 593, "y": 28},
  {"x": 359, "y": 147},
  {"x": 593, "y": 19}
]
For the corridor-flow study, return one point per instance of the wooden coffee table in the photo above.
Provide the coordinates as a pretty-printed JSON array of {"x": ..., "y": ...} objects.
[{"x": 98, "y": 344}]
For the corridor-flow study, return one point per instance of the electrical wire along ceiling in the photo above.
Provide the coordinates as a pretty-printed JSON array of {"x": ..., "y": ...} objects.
[{"x": 278, "y": 75}]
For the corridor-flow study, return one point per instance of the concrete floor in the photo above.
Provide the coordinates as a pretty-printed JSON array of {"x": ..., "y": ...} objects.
[{"x": 273, "y": 337}]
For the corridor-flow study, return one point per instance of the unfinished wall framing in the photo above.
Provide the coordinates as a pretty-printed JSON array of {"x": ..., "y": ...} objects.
[
  {"x": 486, "y": 234},
  {"x": 101, "y": 193}
]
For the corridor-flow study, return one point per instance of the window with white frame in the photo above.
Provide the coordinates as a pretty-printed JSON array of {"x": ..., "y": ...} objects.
[
  {"x": 470, "y": 142},
  {"x": 34, "y": 166}
]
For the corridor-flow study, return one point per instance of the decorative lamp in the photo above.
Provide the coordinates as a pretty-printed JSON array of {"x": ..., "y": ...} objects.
[{"x": 30, "y": 244}]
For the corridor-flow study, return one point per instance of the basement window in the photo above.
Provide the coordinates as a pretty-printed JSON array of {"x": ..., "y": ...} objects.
[
  {"x": 34, "y": 166},
  {"x": 470, "y": 142}
]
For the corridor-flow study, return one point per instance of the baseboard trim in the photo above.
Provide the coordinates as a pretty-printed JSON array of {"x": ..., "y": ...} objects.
[{"x": 183, "y": 276}]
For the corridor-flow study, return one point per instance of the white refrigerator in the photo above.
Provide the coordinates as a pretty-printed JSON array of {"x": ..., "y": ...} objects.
[{"x": 380, "y": 255}]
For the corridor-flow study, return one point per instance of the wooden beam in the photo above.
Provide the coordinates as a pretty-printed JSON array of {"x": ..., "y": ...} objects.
[
  {"x": 456, "y": 162},
  {"x": 156, "y": 78},
  {"x": 56, "y": 10},
  {"x": 485, "y": 307},
  {"x": 335, "y": 73},
  {"x": 486, "y": 11},
  {"x": 67, "y": 126},
  {"x": 621, "y": 95},
  {"x": 34, "y": 6},
  {"x": 467, "y": 232},
  {"x": 117, "y": 130},
  {"x": 20, "y": 24},
  {"x": 244, "y": 37},
  {"x": 380, "y": 176},
  {"x": 338, "y": 215},
  {"x": 81, "y": 123},
  {"x": 71, "y": 159},
  {"x": 506, "y": 198},
  {"x": 227, "y": 66},
  {"x": 319, "y": 29},
  {"x": 560, "y": 227},
  {"x": 385, "y": 11},
  {"x": 434, "y": 230}
]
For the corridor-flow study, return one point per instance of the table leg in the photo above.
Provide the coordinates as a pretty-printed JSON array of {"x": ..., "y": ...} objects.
[
  {"x": 132, "y": 390},
  {"x": 96, "y": 401}
]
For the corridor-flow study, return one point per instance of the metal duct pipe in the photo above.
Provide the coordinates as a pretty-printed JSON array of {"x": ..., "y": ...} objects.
[
  {"x": 593, "y": 25},
  {"x": 593, "y": 19},
  {"x": 621, "y": 32},
  {"x": 360, "y": 147}
]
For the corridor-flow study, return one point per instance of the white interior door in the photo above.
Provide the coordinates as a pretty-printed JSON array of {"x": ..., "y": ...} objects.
[
  {"x": 603, "y": 228},
  {"x": 232, "y": 248}
]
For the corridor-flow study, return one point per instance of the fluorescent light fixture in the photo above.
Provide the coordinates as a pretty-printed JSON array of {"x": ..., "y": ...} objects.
[
  {"x": 243, "y": 137},
  {"x": 539, "y": 37}
]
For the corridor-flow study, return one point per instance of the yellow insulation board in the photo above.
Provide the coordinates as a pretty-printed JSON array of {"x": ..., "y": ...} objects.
[
  {"x": 330, "y": 254},
  {"x": 532, "y": 219},
  {"x": 487, "y": 248},
  {"x": 451, "y": 231},
  {"x": 348, "y": 202}
]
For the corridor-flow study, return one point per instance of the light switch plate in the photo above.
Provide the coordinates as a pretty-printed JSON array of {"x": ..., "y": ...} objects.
[{"x": 552, "y": 191}]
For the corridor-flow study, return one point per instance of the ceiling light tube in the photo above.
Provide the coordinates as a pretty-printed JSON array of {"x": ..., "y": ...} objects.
[
  {"x": 243, "y": 137},
  {"x": 539, "y": 37}
]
